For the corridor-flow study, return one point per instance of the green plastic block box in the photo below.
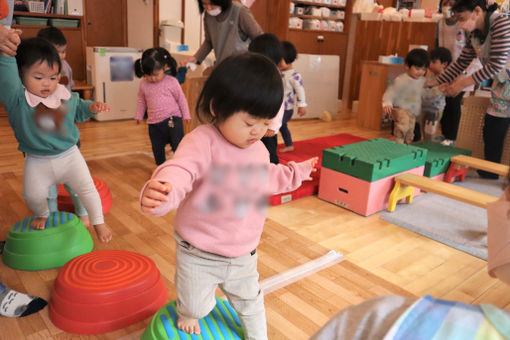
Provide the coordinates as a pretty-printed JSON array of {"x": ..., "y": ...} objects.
[
  {"x": 31, "y": 21},
  {"x": 438, "y": 157},
  {"x": 64, "y": 22},
  {"x": 373, "y": 159},
  {"x": 63, "y": 238}
]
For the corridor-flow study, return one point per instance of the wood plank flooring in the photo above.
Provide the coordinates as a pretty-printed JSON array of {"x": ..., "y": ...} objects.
[{"x": 381, "y": 258}]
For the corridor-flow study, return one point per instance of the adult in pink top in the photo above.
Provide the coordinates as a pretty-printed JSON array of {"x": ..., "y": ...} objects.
[{"x": 161, "y": 96}]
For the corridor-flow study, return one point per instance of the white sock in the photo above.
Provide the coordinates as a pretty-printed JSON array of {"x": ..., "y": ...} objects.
[{"x": 15, "y": 304}]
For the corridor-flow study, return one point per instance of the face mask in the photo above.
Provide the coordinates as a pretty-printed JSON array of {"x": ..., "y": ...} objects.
[
  {"x": 214, "y": 12},
  {"x": 447, "y": 12}
]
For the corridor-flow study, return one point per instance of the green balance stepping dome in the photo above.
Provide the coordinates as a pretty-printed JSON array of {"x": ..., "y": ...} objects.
[
  {"x": 221, "y": 323},
  {"x": 63, "y": 238}
]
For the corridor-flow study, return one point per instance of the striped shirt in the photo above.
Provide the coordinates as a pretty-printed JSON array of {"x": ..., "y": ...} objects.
[{"x": 499, "y": 35}]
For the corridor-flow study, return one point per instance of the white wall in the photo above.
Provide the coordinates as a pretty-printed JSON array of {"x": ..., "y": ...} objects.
[
  {"x": 140, "y": 23},
  {"x": 172, "y": 9}
]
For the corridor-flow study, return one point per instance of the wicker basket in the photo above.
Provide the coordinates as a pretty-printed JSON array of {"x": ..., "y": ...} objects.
[
  {"x": 471, "y": 126},
  {"x": 36, "y": 6}
]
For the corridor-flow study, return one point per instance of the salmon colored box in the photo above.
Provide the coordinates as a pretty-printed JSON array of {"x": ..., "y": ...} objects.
[{"x": 362, "y": 197}]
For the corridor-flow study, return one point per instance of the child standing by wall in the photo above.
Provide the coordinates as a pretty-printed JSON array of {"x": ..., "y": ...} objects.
[
  {"x": 219, "y": 180},
  {"x": 164, "y": 100},
  {"x": 402, "y": 99},
  {"x": 293, "y": 89},
  {"x": 55, "y": 37},
  {"x": 42, "y": 114},
  {"x": 270, "y": 46},
  {"x": 433, "y": 100}
]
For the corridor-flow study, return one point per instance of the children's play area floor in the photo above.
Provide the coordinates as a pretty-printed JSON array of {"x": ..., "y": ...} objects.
[{"x": 380, "y": 258}]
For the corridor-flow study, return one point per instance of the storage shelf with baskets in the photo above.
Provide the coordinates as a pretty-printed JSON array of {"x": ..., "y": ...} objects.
[
  {"x": 23, "y": 19},
  {"x": 320, "y": 15}
]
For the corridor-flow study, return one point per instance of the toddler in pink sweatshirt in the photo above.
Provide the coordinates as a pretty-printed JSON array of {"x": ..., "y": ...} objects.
[{"x": 219, "y": 181}]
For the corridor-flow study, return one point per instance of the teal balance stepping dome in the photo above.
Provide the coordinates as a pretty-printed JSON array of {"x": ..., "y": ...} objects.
[
  {"x": 63, "y": 238},
  {"x": 221, "y": 323},
  {"x": 438, "y": 157},
  {"x": 373, "y": 159}
]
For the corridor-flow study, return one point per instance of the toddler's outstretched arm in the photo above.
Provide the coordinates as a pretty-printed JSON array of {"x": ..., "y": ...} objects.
[{"x": 154, "y": 194}]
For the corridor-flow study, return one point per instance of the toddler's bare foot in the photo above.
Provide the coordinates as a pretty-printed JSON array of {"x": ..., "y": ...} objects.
[
  {"x": 190, "y": 326},
  {"x": 104, "y": 234},
  {"x": 287, "y": 149},
  {"x": 85, "y": 220},
  {"x": 38, "y": 223}
]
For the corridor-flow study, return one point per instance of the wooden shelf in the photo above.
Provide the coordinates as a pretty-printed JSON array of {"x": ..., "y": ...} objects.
[
  {"x": 316, "y": 31},
  {"x": 59, "y": 27},
  {"x": 311, "y": 3},
  {"x": 304, "y": 16},
  {"x": 47, "y": 15}
]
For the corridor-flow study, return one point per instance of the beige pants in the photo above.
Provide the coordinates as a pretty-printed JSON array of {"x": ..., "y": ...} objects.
[
  {"x": 199, "y": 273},
  {"x": 404, "y": 126}
]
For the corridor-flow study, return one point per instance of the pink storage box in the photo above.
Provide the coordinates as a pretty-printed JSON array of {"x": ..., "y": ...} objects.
[{"x": 362, "y": 197}]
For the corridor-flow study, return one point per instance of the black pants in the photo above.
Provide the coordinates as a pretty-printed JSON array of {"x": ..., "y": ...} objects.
[
  {"x": 451, "y": 117},
  {"x": 271, "y": 143},
  {"x": 494, "y": 132},
  {"x": 161, "y": 134}
]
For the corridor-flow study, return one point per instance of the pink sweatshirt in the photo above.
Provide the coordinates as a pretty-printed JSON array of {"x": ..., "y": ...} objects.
[
  {"x": 221, "y": 190},
  {"x": 162, "y": 100}
]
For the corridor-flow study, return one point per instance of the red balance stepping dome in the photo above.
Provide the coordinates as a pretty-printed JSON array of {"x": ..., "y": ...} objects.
[
  {"x": 104, "y": 291},
  {"x": 66, "y": 204}
]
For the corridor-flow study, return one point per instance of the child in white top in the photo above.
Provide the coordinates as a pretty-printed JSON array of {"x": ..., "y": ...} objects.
[
  {"x": 164, "y": 100},
  {"x": 402, "y": 99},
  {"x": 294, "y": 90},
  {"x": 42, "y": 114},
  {"x": 219, "y": 180}
]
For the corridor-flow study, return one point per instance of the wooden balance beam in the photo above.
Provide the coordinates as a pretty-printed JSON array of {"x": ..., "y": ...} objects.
[
  {"x": 460, "y": 163},
  {"x": 405, "y": 184}
]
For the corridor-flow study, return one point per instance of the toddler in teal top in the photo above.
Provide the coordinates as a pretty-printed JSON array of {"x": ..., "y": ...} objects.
[{"x": 42, "y": 114}]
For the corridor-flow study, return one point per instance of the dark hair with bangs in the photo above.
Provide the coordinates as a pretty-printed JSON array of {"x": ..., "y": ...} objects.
[
  {"x": 246, "y": 82},
  {"x": 224, "y": 4},
  {"x": 289, "y": 52},
  {"x": 417, "y": 57},
  {"x": 155, "y": 59},
  {"x": 53, "y": 35},
  {"x": 269, "y": 45},
  {"x": 36, "y": 50},
  {"x": 442, "y": 54}
]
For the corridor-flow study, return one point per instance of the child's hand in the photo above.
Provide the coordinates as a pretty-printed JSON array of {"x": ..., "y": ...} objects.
[
  {"x": 387, "y": 110},
  {"x": 138, "y": 121},
  {"x": 301, "y": 111},
  {"x": 269, "y": 133},
  {"x": 313, "y": 162},
  {"x": 99, "y": 107},
  {"x": 154, "y": 194}
]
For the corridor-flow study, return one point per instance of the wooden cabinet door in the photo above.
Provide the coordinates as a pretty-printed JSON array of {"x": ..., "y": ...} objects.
[{"x": 106, "y": 22}]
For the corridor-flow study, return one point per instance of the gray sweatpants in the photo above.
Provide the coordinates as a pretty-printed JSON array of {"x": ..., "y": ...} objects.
[
  {"x": 197, "y": 275},
  {"x": 69, "y": 168}
]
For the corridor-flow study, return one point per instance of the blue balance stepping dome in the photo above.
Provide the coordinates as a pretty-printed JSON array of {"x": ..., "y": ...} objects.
[
  {"x": 221, "y": 323},
  {"x": 63, "y": 238}
]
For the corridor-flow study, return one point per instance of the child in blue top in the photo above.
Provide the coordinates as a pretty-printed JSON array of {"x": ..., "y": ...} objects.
[{"x": 42, "y": 114}]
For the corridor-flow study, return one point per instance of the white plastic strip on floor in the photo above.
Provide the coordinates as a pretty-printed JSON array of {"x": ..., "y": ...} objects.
[{"x": 297, "y": 273}]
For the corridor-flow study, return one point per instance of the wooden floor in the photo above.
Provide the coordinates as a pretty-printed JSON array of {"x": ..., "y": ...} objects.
[{"x": 381, "y": 258}]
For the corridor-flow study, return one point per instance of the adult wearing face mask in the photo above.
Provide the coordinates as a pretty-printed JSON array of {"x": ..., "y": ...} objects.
[
  {"x": 452, "y": 37},
  {"x": 489, "y": 40},
  {"x": 229, "y": 28}
]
